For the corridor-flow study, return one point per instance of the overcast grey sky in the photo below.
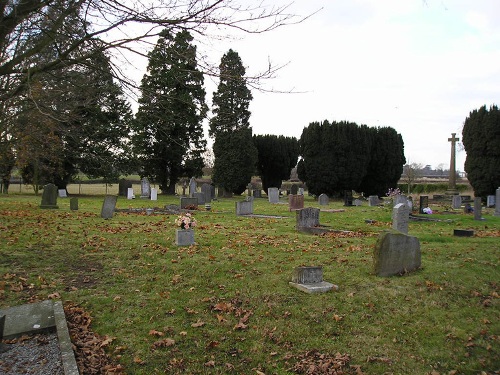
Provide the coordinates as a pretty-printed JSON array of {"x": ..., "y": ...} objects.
[{"x": 417, "y": 66}]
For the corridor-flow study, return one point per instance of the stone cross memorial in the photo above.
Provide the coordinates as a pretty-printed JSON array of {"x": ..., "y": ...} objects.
[{"x": 452, "y": 182}]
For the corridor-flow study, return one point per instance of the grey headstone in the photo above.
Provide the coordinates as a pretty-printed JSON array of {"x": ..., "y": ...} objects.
[
  {"x": 295, "y": 202},
  {"x": 396, "y": 253},
  {"x": 273, "y": 194},
  {"x": 323, "y": 200},
  {"x": 456, "y": 202},
  {"x": 400, "y": 198},
  {"x": 108, "y": 206},
  {"x": 200, "y": 196},
  {"x": 184, "y": 237},
  {"x": 477, "y": 208},
  {"x": 145, "y": 188},
  {"x": 62, "y": 193},
  {"x": 357, "y": 202},
  {"x": 73, "y": 204},
  {"x": 497, "y": 202},
  {"x": 310, "y": 280},
  {"x": 257, "y": 193},
  {"x": 206, "y": 189},
  {"x": 294, "y": 189},
  {"x": 400, "y": 218},
  {"x": 373, "y": 200},
  {"x": 490, "y": 201},
  {"x": 49, "y": 196},
  {"x": 244, "y": 208},
  {"x": 307, "y": 217},
  {"x": 424, "y": 203},
  {"x": 192, "y": 186},
  {"x": 187, "y": 203}
]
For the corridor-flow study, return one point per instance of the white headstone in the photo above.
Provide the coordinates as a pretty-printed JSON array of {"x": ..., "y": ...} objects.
[
  {"x": 62, "y": 193},
  {"x": 130, "y": 193},
  {"x": 490, "y": 201},
  {"x": 154, "y": 194}
]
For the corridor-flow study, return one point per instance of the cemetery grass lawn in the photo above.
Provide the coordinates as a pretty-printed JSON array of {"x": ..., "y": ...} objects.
[{"x": 224, "y": 305}]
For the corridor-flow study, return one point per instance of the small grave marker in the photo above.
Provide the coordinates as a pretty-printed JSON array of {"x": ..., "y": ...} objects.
[
  {"x": 108, "y": 206},
  {"x": 310, "y": 280},
  {"x": 244, "y": 208},
  {"x": 323, "y": 200},
  {"x": 73, "y": 204}
]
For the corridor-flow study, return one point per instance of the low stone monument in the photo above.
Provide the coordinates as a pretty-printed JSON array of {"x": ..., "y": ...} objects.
[
  {"x": 307, "y": 218},
  {"x": 490, "y": 201},
  {"x": 456, "y": 202},
  {"x": 62, "y": 193},
  {"x": 323, "y": 200},
  {"x": 295, "y": 202},
  {"x": 49, "y": 197},
  {"x": 348, "y": 198},
  {"x": 396, "y": 253},
  {"x": 244, "y": 208},
  {"x": 188, "y": 203},
  {"x": 424, "y": 203},
  {"x": 123, "y": 186},
  {"x": 373, "y": 200},
  {"x": 73, "y": 204},
  {"x": 108, "y": 206},
  {"x": 310, "y": 280}
]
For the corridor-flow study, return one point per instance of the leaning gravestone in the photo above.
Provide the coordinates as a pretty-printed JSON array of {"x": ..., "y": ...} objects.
[
  {"x": 307, "y": 218},
  {"x": 373, "y": 200},
  {"x": 424, "y": 203},
  {"x": 244, "y": 208},
  {"x": 477, "y": 208},
  {"x": 323, "y": 200},
  {"x": 497, "y": 203},
  {"x": 400, "y": 218},
  {"x": 108, "y": 206},
  {"x": 145, "y": 188},
  {"x": 49, "y": 196},
  {"x": 396, "y": 253},
  {"x": 206, "y": 190},
  {"x": 273, "y": 195},
  {"x": 192, "y": 186},
  {"x": 295, "y": 202},
  {"x": 73, "y": 204},
  {"x": 456, "y": 202}
]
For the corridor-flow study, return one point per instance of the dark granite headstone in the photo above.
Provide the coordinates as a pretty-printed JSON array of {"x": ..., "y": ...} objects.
[
  {"x": 49, "y": 196},
  {"x": 424, "y": 203},
  {"x": 73, "y": 204}
]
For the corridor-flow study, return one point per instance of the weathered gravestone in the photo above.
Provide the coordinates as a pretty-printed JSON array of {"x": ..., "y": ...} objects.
[
  {"x": 456, "y": 202},
  {"x": 192, "y": 186},
  {"x": 49, "y": 197},
  {"x": 73, "y": 204},
  {"x": 307, "y": 218},
  {"x": 310, "y": 280},
  {"x": 490, "y": 201},
  {"x": 424, "y": 203},
  {"x": 200, "y": 196},
  {"x": 62, "y": 193},
  {"x": 108, "y": 206},
  {"x": 189, "y": 203},
  {"x": 301, "y": 191},
  {"x": 294, "y": 189},
  {"x": 400, "y": 217},
  {"x": 273, "y": 195},
  {"x": 244, "y": 208},
  {"x": 358, "y": 202},
  {"x": 130, "y": 193},
  {"x": 123, "y": 186},
  {"x": 373, "y": 200},
  {"x": 497, "y": 202},
  {"x": 477, "y": 208},
  {"x": 154, "y": 194},
  {"x": 396, "y": 253},
  {"x": 323, "y": 200},
  {"x": 206, "y": 190},
  {"x": 257, "y": 193},
  {"x": 400, "y": 198},
  {"x": 348, "y": 198},
  {"x": 295, "y": 202},
  {"x": 145, "y": 188}
]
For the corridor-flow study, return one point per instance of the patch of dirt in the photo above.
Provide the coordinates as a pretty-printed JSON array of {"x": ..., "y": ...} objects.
[
  {"x": 316, "y": 363},
  {"x": 84, "y": 275}
]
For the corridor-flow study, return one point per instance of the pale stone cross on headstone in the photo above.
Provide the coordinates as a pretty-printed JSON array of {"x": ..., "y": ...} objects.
[{"x": 452, "y": 188}]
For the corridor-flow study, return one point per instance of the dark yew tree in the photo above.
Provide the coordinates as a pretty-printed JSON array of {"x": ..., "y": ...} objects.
[
  {"x": 386, "y": 161},
  {"x": 234, "y": 151},
  {"x": 168, "y": 131},
  {"x": 335, "y": 156},
  {"x": 277, "y": 155},
  {"x": 481, "y": 140}
]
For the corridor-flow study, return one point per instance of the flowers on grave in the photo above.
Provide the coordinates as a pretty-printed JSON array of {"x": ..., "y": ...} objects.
[
  {"x": 186, "y": 221},
  {"x": 391, "y": 193}
]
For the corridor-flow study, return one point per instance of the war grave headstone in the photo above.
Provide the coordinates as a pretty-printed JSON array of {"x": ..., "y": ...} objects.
[
  {"x": 348, "y": 198},
  {"x": 273, "y": 195},
  {"x": 323, "y": 200},
  {"x": 192, "y": 186},
  {"x": 189, "y": 202},
  {"x": 477, "y": 208},
  {"x": 108, "y": 206},
  {"x": 62, "y": 193},
  {"x": 424, "y": 203},
  {"x": 497, "y": 203},
  {"x": 206, "y": 190},
  {"x": 154, "y": 194},
  {"x": 200, "y": 196},
  {"x": 49, "y": 197},
  {"x": 145, "y": 188},
  {"x": 295, "y": 202},
  {"x": 73, "y": 204},
  {"x": 373, "y": 201},
  {"x": 490, "y": 201},
  {"x": 310, "y": 280},
  {"x": 396, "y": 253},
  {"x": 244, "y": 208},
  {"x": 400, "y": 218},
  {"x": 456, "y": 202},
  {"x": 123, "y": 186},
  {"x": 130, "y": 193},
  {"x": 294, "y": 189}
]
